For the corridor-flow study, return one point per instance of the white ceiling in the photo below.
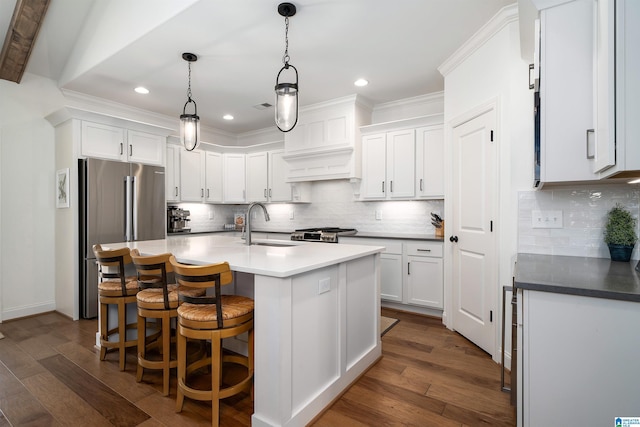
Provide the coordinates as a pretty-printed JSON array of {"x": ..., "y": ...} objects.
[{"x": 106, "y": 48}]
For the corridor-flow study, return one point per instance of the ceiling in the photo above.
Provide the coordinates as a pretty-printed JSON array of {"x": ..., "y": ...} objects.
[{"x": 106, "y": 49}]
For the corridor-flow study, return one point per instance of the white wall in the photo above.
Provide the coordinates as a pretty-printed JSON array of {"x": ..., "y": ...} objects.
[
  {"x": 27, "y": 228},
  {"x": 490, "y": 69}
]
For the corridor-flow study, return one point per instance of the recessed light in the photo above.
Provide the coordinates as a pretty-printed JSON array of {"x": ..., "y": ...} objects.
[
  {"x": 227, "y": 117},
  {"x": 361, "y": 82},
  {"x": 142, "y": 90}
]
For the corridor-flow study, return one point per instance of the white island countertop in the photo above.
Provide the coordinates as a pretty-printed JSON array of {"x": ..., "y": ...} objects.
[{"x": 274, "y": 261}]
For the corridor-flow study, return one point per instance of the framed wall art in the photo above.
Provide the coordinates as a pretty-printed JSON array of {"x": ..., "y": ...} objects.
[{"x": 62, "y": 188}]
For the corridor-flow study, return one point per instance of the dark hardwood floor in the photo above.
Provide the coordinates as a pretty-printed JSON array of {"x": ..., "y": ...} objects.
[{"x": 51, "y": 375}]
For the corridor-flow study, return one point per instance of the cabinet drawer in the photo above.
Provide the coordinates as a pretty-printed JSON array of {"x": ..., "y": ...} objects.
[
  {"x": 391, "y": 246},
  {"x": 432, "y": 249}
]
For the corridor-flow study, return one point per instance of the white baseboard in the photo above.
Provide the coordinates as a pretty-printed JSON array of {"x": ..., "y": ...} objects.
[{"x": 28, "y": 310}]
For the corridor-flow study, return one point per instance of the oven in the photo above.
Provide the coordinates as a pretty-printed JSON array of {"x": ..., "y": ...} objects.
[{"x": 322, "y": 234}]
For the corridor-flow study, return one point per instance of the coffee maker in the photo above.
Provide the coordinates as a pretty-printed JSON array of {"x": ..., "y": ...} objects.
[{"x": 177, "y": 220}]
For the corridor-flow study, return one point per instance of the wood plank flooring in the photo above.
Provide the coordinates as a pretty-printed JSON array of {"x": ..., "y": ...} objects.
[{"x": 50, "y": 374}]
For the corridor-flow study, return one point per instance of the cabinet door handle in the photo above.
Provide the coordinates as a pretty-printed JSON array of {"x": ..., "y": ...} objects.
[
  {"x": 424, "y": 250},
  {"x": 130, "y": 150},
  {"x": 420, "y": 184},
  {"x": 408, "y": 268},
  {"x": 176, "y": 191},
  {"x": 265, "y": 193},
  {"x": 121, "y": 148},
  {"x": 202, "y": 192},
  {"x": 592, "y": 132},
  {"x": 383, "y": 186},
  {"x": 391, "y": 186},
  {"x": 269, "y": 192},
  {"x": 207, "y": 193}
]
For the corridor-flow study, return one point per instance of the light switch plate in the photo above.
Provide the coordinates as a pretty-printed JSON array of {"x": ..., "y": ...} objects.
[{"x": 546, "y": 219}]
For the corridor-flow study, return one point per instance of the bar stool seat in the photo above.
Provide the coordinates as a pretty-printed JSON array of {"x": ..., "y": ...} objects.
[{"x": 212, "y": 318}]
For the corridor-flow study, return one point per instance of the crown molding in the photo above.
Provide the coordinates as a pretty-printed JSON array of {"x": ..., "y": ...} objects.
[{"x": 505, "y": 16}]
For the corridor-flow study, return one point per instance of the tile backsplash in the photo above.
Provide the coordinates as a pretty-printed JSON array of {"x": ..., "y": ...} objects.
[
  {"x": 334, "y": 205},
  {"x": 584, "y": 209}
]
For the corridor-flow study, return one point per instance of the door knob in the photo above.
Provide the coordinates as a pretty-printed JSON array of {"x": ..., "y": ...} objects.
[{"x": 453, "y": 239}]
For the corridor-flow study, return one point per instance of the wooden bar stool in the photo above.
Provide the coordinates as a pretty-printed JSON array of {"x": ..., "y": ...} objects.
[
  {"x": 115, "y": 288},
  {"x": 157, "y": 299},
  {"x": 211, "y": 318}
]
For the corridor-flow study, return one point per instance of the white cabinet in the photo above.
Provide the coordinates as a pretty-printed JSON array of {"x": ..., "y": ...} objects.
[
  {"x": 430, "y": 162},
  {"x": 389, "y": 165},
  {"x": 191, "y": 175},
  {"x": 257, "y": 177},
  {"x": 116, "y": 143},
  {"x": 267, "y": 179},
  {"x": 425, "y": 280},
  {"x": 172, "y": 173},
  {"x": 213, "y": 177},
  {"x": 234, "y": 176},
  {"x": 421, "y": 283},
  {"x": 566, "y": 92},
  {"x": 622, "y": 56}
]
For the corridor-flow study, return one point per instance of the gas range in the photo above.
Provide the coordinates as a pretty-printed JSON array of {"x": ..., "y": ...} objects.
[{"x": 322, "y": 234}]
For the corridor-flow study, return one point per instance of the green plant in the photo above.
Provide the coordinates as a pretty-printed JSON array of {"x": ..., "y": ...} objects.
[{"x": 620, "y": 228}]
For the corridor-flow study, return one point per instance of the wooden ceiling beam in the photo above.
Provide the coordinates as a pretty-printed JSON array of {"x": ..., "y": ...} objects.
[{"x": 21, "y": 36}]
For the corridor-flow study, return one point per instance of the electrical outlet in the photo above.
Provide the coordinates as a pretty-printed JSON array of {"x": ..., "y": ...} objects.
[
  {"x": 378, "y": 215},
  {"x": 210, "y": 215},
  {"x": 292, "y": 215},
  {"x": 546, "y": 219},
  {"x": 324, "y": 285}
]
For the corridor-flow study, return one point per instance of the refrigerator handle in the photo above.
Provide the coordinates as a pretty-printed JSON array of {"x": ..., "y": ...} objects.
[
  {"x": 134, "y": 209},
  {"x": 128, "y": 236}
]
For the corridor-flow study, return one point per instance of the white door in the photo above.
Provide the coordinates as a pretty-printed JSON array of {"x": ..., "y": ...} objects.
[{"x": 474, "y": 189}]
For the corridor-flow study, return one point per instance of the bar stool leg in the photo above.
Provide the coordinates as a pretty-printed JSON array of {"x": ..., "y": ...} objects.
[
  {"x": 104, "y": 329},
  {"x": 122, "y": 332},
  {"x": 182, "y": 368},
  {"x": 216, "y": 379},
  {"x": 142, "y": 348},
  {"x": 166, "y": 353}
]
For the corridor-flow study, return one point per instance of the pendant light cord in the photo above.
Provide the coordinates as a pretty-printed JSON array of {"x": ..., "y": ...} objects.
[
  {"x": 285, "y": 57},
  {"x": 189, "y": 89}
]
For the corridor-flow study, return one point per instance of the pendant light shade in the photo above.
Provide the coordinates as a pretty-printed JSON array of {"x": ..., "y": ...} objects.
[
  {"x": 287, "y": 91},
  {"x": 190, "y": 123}
]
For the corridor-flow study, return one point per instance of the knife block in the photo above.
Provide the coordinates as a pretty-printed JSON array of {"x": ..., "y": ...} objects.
[{"x": 440, "y": 231}]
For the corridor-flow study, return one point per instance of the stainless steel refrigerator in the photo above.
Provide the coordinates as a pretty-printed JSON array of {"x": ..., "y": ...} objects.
[{"x": 119, "y": 202}]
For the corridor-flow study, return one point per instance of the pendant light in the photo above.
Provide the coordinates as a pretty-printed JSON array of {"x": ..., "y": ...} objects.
[
  {"x": 190, "y": 123},
  {"x": 286, "y": 93}
]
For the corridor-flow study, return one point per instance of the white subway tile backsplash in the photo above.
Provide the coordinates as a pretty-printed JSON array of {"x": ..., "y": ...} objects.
[
  {"x": 584, "y": 210},
  {"x": 334, "y": 205}
]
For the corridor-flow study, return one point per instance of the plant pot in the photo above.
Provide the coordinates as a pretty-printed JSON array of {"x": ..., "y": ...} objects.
[{"x": 620, "y": 252}]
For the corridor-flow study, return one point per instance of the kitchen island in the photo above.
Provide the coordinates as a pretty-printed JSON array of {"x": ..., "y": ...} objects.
[
  {"x": 578, "y": 340},
  {"x": 317, "y": 314}
]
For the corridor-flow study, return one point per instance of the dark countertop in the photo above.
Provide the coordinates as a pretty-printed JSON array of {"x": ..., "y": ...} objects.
[{"x": 590, "y": 277}]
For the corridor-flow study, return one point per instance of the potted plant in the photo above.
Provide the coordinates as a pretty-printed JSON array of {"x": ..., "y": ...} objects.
[{"x": 620, "y": 233}]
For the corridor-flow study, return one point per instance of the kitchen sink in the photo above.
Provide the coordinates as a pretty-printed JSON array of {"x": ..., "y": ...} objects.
[{"x": 275, "y": 243}]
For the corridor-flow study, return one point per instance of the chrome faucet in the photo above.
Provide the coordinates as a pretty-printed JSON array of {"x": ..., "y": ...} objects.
[{"x": 248, "y": 220}]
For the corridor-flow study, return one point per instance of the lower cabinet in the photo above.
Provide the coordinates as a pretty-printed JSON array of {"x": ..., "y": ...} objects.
[{"x": 411, "y": 271}]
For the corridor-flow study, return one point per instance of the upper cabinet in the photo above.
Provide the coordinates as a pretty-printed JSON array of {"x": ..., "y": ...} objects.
[
  {"x": 325, "y": 144},
  {"x": 213, "y": 177},
  {"x": 619, "y": 128},
  {"x": 192, "y": 175},
  {"x": 566, "y": 92},
  {"x": 233, "y": 182},
  {"x": 172, "y": 173},
  {"x": 403, "y": 160},
  {"x": 116, "y": 143},
  {"x": 267, "y": 175},
  {"x": 589, "y": 91}
]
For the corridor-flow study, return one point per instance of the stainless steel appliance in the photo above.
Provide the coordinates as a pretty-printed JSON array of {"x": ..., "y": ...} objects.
[
  {"x": 323, "y": 234},
  {"x": 118, "y": 202},
  {"x": 177, "y": 220}
]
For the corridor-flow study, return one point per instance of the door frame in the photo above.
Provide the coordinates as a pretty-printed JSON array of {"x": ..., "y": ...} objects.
[{"x": 470, "y": 114}]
